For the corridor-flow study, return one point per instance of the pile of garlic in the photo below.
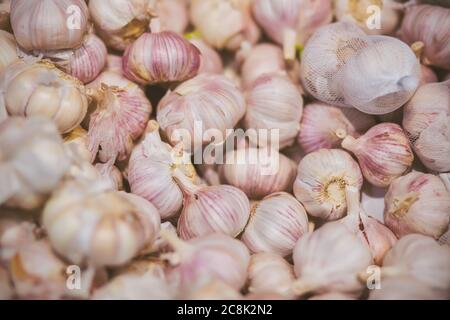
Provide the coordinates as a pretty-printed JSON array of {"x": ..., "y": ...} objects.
[{"x": 124, "y": 173}]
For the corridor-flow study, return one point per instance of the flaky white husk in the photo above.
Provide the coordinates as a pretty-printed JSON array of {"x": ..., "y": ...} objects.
[
  {"x": 270, "y": 273},
  {"x": 427, "y": 122},
  {"x": 321, "y": 180},
  {"x": 276, "y": 223},
  {"x": 32, "y": 161},
  {"x": 422, "y": 258},
  {"x": 88, "y": 223},
  {"x": 417, "y": 203},
  {"x": 329, "y": 260},
  {"x": 210, "y": 60},
  {"x": 8, "y": 49},
  {"x": 274, "y": 102}
]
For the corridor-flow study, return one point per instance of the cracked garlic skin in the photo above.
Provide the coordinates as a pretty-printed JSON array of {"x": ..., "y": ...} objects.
[
  {"x": 417, "y": 203},
  {"x": 321, "y": 180}
]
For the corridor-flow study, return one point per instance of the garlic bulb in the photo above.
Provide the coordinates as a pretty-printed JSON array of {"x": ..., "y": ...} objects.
[
  {"x": 49, "y": 25},
  {"x": 151, "y": 168},
  {"x": 417, "y": 203},
  {"x": 210, "y": 60},
  {"x": 212, "y": 257},
  {"x": 14, "y": 234},
  {"x": 115, "y": 225},
  {"x": 276, "y": 223},
  {"x": 211, "y": 209},
  {"x": 120, "y": 22},
  {"x": 122, "y": 112},
  {"x": 274, "y": 102},
  {"x": 256, "y": 178},
  {"x": 211, "y": 289},
  {"x": 329, "y": 260},
  {"x": 321, "y": 181},
  {"x": 32, "y": 161},
  {"x": 110, "y": 173},
  {"x": 5, "y": 8},
  {"x": 291, "y": 22},
  {"x": 427, "y": 123},
  {"x": 6, "y": 288},
  {"x": 42, "y": 89},
  {"x": 422, "y": 258},
  {"x": 325, "y": 126},
  {"x": 173, "y": 14},
  {"x": 269, "y": 273},
  {"x": 262, "y": 59},
  {"x": 8, "y": 49},
  {"x": 224, "y": 24},
  {"x": 209, "y": 99},
  {"x": 383, "y": 153},
  {"x": 430, "y": 25}
]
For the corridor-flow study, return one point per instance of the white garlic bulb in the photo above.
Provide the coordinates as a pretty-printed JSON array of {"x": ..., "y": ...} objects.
[
  {"x": 8, "y": 49},
  {"x": 269, "y": 273},
  {"x": 32, "y": 161},
  {"x": 321, "y": 180},
  {"x": 275, "y": 225},
  {"x": 40, "y": 88},
  {"x": 427, "y": 122},
  {"x": 417, "y": 203},
  {"x": 329, "y": 260}
]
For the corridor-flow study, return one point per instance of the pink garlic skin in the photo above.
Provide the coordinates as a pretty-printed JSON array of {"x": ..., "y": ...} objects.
[
  {"x": 210, "y": 60},
  {"x": 427, "y": 75},
  {"x": 161, "y": 57},
  {"x": 383, "y": 153},
  {"x": 173, "y": 15},
  {"x": 114, "y": 64}
]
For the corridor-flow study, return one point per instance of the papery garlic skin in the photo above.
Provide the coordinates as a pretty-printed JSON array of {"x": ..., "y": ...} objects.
[
  {"x": 269, "y": 273},
  {"x": 40, "y": 89},
  {"x": 274, "y": 102},
  {"x": 431, "y": 25},
  {"x": 111, "y": 174},
  {"x": 383, "y": 153},
  {"x": 14, "y": 234},
  {"x": 275, "y": 225},
  {"x": 325, "y": 126},
  {"x": 122, "y": 112},
  {"x": 120, "y": 22},
  {"x": 49, "y": 25},
  {"x": 417, "y": 203},
  {"x": 8, "y": 49},
  {"x": 77, "y": 142},
  {"x": 173, "y": 14},
  {"x": 116, "y": 225},
  {"x": 329, "y": 260},
  {"x": 114, "y": 64},
  {"x": 321, "y": 180},
  {"x": 32, "y": 161},
  {"x": 210, "y": 60},
  {"x": 427, "y": 122},
  {"x": 428, "y": 76}
]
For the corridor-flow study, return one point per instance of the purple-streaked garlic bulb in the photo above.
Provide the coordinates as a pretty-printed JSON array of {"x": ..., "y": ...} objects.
[
  {"x": 120, "y": 22},
  {"x": 49, "y": 25},
  {"x": 329, "y": 260},
  {"x": 5, "y": 8},
  {"x": 209, "y": 100},
  {"x": 274, "y": 102},
  {"x": 291, "y": 22},
  {"x": 269, "y": 273},
  {"x": 161, "y": 57},
  {"x": 275, "y": 225},
  {"x": 173, "y": 14},
  {"x": 212, "y": 257},
  {"x": 258, "y": 172},
  {"x": 33, "y": 161},
  {"x": 211, "y": 209},
  {"x": 224, "y": 24},
  {"x": 321, "y": 180},
  {"x": 87, "y": 222},
  {"x": 384, "y": 153},
  {"x": 8, "y": 49},
  {"x": 121, "y": 114},
  {"x": 151, "y": 168},
  {"x": 427, "y": 122},
  {"x": 210, "y": 60},
  {"x": 417, "y": 203},
  {"x": 325, "y": 126},
  {"x": 422, "y": 258},
  {"x": 430, "y": 25}
]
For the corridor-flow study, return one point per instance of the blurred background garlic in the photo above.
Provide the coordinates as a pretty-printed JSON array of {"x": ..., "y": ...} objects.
[
  {"x": 321, "y": 181},
  {"x": 427, "y": 122},
  {"x": 112, "y": 174},
  {"x": 173, "y": 14},
  {"x": 418, "y": 203},
  {"x": 76, "y": 141},
  {"x": 291, "y": 22},
  {"x": 325, "y": 126},
  {"x": 120, "y": 22},
  {"x": 32, "y": 161},
  {"x": 6, "y": 288},
  {"x": 121, "y": 113},
  {"x": 224, "y": 24},
  {"x": 442, "y": 3},
  {"x": 211, "y": 289},
  {"x": 15, "y": 232},
  {"x": 276, "y": 223},
  {"x": 5, "y": 8},
  {"x": 332, "y": 296},
  {"x": 8, "y": 49},
  {"x": 273, "y": 101},
  {"x": 210, "y": 60}
]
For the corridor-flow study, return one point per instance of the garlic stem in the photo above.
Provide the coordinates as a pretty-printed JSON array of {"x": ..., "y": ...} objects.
[
  {"x": 418, "y": 48},
  {"x": 289, "y": 43},
  {"x": 349, "y": 143},
  {"x": 341, "y": 133}
]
